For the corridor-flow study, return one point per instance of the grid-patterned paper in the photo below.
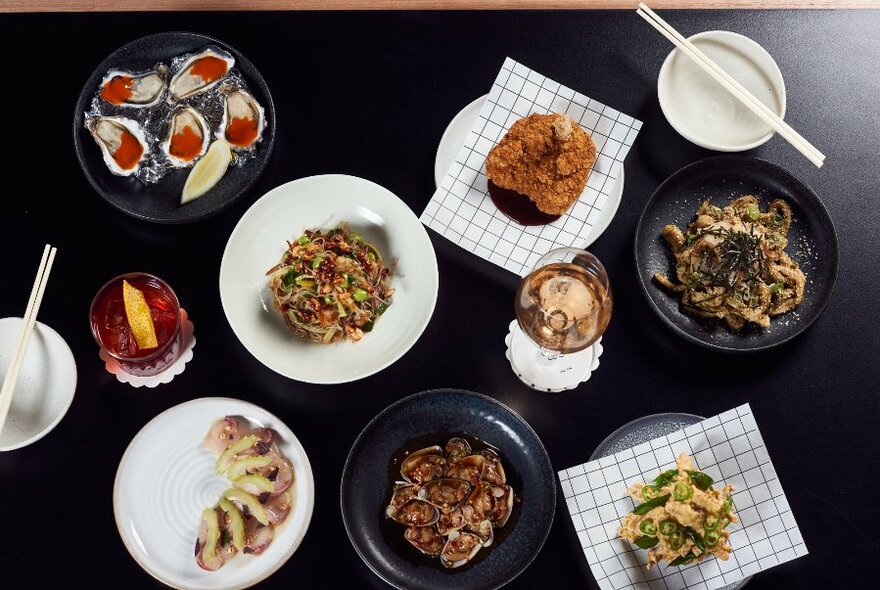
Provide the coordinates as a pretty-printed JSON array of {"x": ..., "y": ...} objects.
[
  {"x": 461, "y": 209},
  {"x": 727, "y": 447}
]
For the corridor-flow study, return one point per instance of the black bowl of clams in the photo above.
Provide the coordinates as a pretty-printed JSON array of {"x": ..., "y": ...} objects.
[
  {"x": 448, "y": 488},
  {"x": 174, "y": 127}
]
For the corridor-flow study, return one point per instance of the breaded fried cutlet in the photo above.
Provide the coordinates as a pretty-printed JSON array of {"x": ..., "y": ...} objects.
[{"x": 546, "y": 158}]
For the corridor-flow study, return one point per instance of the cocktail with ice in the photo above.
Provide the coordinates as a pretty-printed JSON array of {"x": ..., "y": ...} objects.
[{"x": 135, "y": 318}]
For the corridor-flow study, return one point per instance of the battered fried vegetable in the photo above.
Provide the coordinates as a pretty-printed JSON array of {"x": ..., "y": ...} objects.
[{"x": 692, "y": 517}]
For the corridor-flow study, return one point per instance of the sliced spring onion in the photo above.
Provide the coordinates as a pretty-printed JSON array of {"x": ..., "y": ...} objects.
[
  {"x": 381, "y": 309},
  {"x": 317, "y": 262},
  {"x": 754, "y": 212},
  {"x": 354, "y": 238},
  {"x": 646, "y": 542},
  {"x": 643, "y": 509},
  {"x": 682, "y": 492},
  {"x": 648, "y": 527},
  {"x": 372, "y": 256},
  {"x": 724, "y": 522},
  {"x": 303, "y": 240},
  {"x": 650, "y": 492},
  {"x": 360, "y": 295},
  {"x": 776, "y": 287}
]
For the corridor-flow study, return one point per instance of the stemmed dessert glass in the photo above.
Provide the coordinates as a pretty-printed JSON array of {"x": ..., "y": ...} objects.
[{"x": 562, "y": 309}]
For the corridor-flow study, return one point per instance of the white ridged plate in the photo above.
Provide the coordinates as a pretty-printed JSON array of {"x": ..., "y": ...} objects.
[{"x": 166, "y": 478}]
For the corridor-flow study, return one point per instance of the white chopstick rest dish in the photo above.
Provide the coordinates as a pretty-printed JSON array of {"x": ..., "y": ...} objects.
[{"x": 732, "y": 86}]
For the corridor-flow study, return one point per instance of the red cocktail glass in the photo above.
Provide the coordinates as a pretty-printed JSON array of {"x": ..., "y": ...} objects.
[{"x": 112, "y": 332}]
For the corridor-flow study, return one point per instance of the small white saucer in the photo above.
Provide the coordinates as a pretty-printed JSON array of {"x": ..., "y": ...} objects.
[
  {"x": 703, "y": 111},
  {"x": 454, "y": 137},
  {"x": 536, "y": 371},
  {"x": 45, "y": 386},
  {"x": 188, "y": 342}
]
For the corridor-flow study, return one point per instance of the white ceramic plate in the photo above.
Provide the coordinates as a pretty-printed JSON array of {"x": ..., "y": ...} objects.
[
  {"x": 703, "y": 111},
  {"x": 454, "y": 137},
  {"x": 259, "y": 240},
  {"x": 45, "y": 386},
  {"x": 166, "y": 478}
]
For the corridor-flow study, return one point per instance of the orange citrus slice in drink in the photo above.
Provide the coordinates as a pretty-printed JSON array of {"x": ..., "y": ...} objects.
[{"x": 139, "y": 319}]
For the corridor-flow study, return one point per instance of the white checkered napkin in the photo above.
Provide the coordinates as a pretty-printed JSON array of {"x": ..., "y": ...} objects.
[
  {"x": 727, "y": 447},
  {"x": 461, "y": 209}
]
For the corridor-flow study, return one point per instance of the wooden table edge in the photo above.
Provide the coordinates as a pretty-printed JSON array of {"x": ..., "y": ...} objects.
[{"x": 23, "y": 6}]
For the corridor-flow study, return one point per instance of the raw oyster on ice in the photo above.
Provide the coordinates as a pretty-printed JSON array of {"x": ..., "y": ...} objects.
[
  {"x": 122, "y": 142},
  {"x": 188, "y": 137},
  {"x": 134, "y": 89},
  {"x": 243, "y": 119},
  {"x": 200, "y": 71}
]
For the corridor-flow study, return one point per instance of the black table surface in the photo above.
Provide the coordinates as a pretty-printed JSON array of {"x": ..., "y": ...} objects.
[{"x": 370, "y": 95}]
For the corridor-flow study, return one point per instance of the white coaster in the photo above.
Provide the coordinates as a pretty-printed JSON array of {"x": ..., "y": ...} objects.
[
  {"x": 189, "y": 342},
  {"x": 536, "y": 371}
]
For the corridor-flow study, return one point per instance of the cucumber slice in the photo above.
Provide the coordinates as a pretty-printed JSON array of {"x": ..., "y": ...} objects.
[
  {"x": 209, "y": 551},
  {"x": 243, "y": 466},
  {"x": 250, "y": 502},
  {"x": 225, "y": 459},
  {"x": 254, "y": 484},
  {"x": 236, "y": 522}
]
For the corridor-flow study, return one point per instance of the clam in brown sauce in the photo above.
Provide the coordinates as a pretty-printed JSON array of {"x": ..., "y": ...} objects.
[{"x": 451, "y": 499}]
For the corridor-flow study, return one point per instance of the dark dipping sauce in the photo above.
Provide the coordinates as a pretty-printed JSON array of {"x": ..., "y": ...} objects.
[
  {"x": 519, "y": 207},
  {"x": 392, "y": 531}
]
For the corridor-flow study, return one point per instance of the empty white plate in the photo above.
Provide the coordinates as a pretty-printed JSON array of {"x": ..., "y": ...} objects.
[
  {"x": 454, "y": 137},
  {"x": 166, "y": 478},
  {"x": 45, "y": 386},
  {"x": 702, "y": 110},
  {"x": 322, "y": 202}
]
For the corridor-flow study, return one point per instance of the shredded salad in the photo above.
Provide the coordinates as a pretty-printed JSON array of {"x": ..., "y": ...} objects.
[{"x": 331, "y": 285}]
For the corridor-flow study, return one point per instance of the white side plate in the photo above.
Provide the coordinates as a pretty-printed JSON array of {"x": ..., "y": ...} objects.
[{"x": 166, "y": 478}]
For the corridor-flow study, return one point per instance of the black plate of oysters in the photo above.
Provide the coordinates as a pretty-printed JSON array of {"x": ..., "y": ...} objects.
[
  {"x": 448, "y": 489},
  {"x": 174, "y": 127}
]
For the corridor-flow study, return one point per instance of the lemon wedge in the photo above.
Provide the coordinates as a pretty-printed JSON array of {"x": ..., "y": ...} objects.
[
  {"x": 207, "y": 172},
  {"x": 139, "y": 319}
]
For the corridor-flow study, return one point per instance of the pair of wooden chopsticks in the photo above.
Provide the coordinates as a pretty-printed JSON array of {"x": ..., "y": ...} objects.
[
  {"x": 27, "y": 327},
  {"x": 732, "y": 86}
]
